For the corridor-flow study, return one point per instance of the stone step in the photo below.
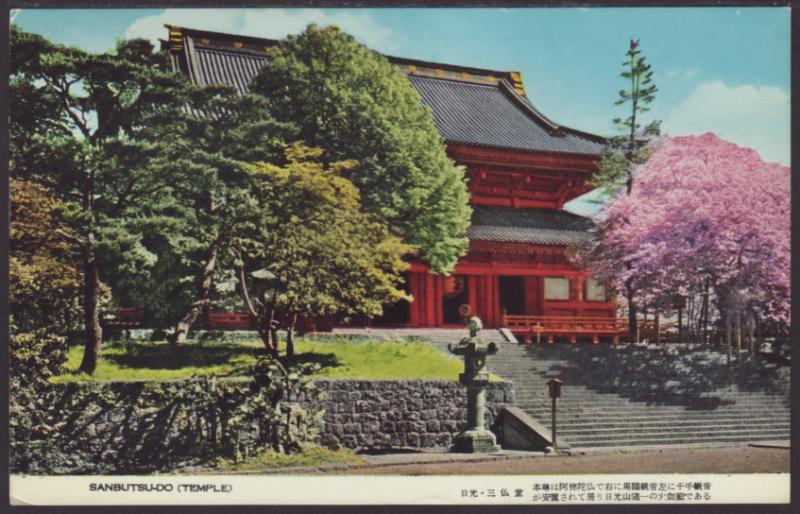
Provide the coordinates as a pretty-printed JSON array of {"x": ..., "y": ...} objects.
[
  {"x": 635, "y": 425},
  {"x": 619, "y": 396},
  {"x": 628, "y": 441},
  {"x": 639, "y": 400},
  {"x": 712, "y": 417},
  {"x": 667, "y": 429},
  {"x": 672, "y": 418},
  {"x": 655, "y": 410},
  {"x": 652, "y": 410}
]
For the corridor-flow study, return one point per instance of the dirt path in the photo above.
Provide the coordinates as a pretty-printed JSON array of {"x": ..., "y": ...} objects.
[{"x": 720, "y": 460}]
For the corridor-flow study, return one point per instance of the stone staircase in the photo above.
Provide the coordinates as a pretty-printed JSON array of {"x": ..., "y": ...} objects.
[{"x": 622, "y": 396}]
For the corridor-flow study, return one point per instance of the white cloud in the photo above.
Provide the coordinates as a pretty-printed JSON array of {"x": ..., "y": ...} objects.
[
  {"x": 270, "y": 23},
  {"x": 152, "y": 27},
  {"x": 690, "y": 72},
  {"x": 757, "y": 117}
]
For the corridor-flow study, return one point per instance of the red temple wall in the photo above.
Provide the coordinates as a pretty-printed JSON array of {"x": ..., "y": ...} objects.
[{"x": 482, "y": 279}]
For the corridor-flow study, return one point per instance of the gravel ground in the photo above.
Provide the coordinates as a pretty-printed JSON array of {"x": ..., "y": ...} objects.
[{"x": 741, "y": 459}]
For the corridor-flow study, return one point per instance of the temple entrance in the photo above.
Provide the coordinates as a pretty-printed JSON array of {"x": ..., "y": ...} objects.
[
  {"x": 455, "y": 294},
  {"x": 512, "y": 294},
  {"x": 398, "y": 313}
]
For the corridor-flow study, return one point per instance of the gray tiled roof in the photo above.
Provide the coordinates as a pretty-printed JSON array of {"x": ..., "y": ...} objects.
[
  {"x": 237, "y": 70},
  {"x": 533, "y": 226},
  {"x": 494, "y": 115},
  {"x": 465, "y": 112}
]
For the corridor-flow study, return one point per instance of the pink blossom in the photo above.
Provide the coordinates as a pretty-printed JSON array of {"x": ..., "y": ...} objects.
[{"x": 702, "y": 209}]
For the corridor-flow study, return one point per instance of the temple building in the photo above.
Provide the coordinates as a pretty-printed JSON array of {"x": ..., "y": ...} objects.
[{"x": 522, "y": 169}]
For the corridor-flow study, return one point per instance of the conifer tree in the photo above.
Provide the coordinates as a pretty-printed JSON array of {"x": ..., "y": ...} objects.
[{"x": 89, "y": 143}]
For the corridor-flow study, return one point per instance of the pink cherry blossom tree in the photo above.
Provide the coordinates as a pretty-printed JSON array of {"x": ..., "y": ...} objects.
[{"x": 705, "y": 219}]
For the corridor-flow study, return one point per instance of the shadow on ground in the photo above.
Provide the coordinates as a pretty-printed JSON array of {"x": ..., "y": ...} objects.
[{"x": 665, "y": 375}]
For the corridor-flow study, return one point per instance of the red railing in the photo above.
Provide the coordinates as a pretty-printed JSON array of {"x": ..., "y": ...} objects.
[
  {"x": 575, "y": 326},
  {"x": 223, "y": 320},
  {"x": 124, "y": 317},
  {"x": 570, "y": 326}
]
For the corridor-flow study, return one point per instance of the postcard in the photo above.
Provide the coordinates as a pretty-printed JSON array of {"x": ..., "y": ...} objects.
[{"x": 475, "y": 256}]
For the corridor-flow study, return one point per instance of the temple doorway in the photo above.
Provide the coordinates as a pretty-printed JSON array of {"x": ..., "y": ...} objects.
[
  {"x": 454, "y": 296},
  {"x": 512, "y": 294}
]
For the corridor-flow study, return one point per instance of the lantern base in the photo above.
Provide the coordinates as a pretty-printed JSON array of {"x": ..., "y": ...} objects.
[{"x": 475, "y": 441}]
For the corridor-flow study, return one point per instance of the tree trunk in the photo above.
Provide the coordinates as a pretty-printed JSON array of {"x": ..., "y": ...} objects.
[
  {"x": 705, "y": 312},
  {"x": 687, "y": 330},
  {"x": 727, "y": 338},
  {"x": 276, "y": 340},
  {"x": 759, "y": 338},
  {"x": 751, "y": 322},
  {"x": 657, "y": 323},
  {"x": 266, "y": 331},
  {"x": 738, "y": 337},
  {"x": 680, "y": 325},
  {"x": 633, "y": 326},
  {"x": 91, "y": 309},
  {"x": 185, "y": 324},
  {"x": 290, "y": 335}
]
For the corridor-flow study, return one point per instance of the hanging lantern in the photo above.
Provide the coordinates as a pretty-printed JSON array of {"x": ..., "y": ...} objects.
[{"x": 453, "y": 286}]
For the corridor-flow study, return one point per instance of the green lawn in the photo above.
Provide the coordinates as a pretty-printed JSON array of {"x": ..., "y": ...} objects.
[{"x": 339, "y": 358}]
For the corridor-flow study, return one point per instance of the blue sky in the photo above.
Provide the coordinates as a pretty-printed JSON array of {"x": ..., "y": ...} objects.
[{"x": 724, "y": 70}]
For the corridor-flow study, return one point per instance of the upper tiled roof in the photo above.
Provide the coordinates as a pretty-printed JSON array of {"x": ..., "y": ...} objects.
[
  {"x": 495, "y": 115},
  {"x": 532, "y": 226},
  {"x": 470, "y": 106}
]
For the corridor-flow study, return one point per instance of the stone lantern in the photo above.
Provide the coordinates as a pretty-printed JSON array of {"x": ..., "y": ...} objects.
[{"x": 475, "y": 438}]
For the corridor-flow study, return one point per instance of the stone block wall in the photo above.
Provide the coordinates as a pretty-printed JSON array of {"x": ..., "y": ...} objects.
[
  {"x": 141, "y": 427},
  {"x": 394, "y": 414}
]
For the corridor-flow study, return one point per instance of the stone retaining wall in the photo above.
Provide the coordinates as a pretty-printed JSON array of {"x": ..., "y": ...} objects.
[
  {"x": 141, "y": 427},
  {"x": 389, "y": 414}
]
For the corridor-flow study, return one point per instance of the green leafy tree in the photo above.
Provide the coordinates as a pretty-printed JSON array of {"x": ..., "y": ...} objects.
[
  {"x": 353, "y": 103},
  {"x": 306, "y": 249},
  {"x": 221, "y": 131},
  {"x": 93, "y": 150},
  {"x": 629, "y": 149},
  {"x": 44, "y": 281}
]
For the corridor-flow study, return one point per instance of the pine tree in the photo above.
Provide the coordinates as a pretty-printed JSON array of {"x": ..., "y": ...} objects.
[
  {"x": 88, "y": 140},
  {"x": 628, "y": 149}
]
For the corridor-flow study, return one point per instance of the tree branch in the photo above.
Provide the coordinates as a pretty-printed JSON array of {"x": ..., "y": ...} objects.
[{"x": 245, "y": 293}]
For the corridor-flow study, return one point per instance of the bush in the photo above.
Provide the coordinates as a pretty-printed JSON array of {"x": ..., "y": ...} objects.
[
  {"x": 139, "y": 427},
  {"x": 36, "y": 356}
]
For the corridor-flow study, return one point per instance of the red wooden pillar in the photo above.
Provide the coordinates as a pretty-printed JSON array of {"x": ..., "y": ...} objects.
[
  {"x": 496, "y": 312},
  {"x": 438, "y": 293},
  {"x": 488, "y": 300},
  {"x": 414, "y": 287},
  {"x": 472, "y": 294},
  {"x": 430, "y": 307},
  {"x": 541, "y": 297}
]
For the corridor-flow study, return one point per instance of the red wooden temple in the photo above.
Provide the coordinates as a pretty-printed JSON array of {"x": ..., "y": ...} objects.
[{"x": 522, "y": 169}]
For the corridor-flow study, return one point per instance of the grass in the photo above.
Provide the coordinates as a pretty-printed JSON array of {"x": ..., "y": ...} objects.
[
  {"x": 338, "y": 358},
  {"x": 312, "y": 457}
]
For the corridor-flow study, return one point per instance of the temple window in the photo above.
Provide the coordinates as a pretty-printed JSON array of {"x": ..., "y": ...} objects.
[
  {"x": 556, "y": 288},
  {"x": 595, "y": 291}
]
